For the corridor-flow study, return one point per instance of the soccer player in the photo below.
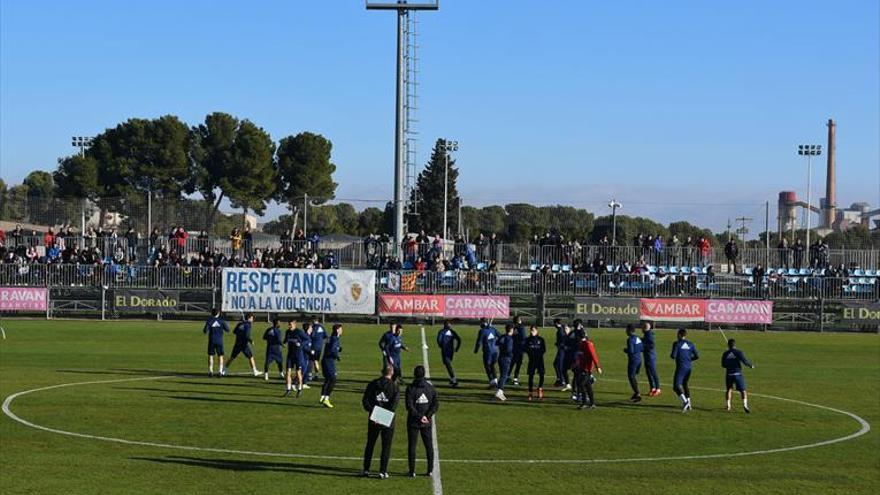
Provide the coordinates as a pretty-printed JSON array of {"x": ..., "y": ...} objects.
[
  {"x": 633, "y": 350},
  {"x": 684, "y": 353},
  {"x": 214, "y": 328},
  {"x": 535, "y": 347},
  {"x": 650, "y": 355},
  {"x": 449, "y": 343},
  {"x": 294, "y": 339},
  {"x": 332, "y": 349},
  {"x": 732, "y": 361},
  {"x": 381, "y": 392},
  {"x": 505, "y": 359},
  {"x": 519, "y": 337},
  {"x": 573, "y": 337},
  {"x": 487, "y": 338},
  {"x": 391, "y": 345},
  {"x": 561, "y": 333},
  {"x": 586, "y": 361},
  {"x": 243, "y": 342},
  {"x": 273, "y": 339},
  {"x": 319, "y": 334},
  {"x": 421, "y": 405}
]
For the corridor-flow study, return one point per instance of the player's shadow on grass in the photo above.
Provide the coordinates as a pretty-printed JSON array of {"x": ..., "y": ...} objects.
[
  {"x": 288, "y": 402},
  {"x": 236, "y": 465}
]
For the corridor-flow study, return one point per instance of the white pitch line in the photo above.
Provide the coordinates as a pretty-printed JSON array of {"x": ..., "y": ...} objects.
[
  {"x": 865, "y": 428},
  {"x": 438, "y": 484}
]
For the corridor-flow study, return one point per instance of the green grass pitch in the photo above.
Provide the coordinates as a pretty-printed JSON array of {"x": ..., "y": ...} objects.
[{"x": 243, "y": 413}]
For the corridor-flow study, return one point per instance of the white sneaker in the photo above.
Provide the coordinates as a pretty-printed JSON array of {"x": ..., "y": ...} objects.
[
  {"x": 222, "y": 371},
  {"x": 493, "y": 382},
  {"x": 306, "y": 386},
  {"x": 266, "y": 376},
  {"x": 687, "y": 406},
  {"x": 500, "y": 395},
  {"x": 281, "y": 374},
  {"x": 567, "y": 387},
  {"x": 257, "y": 373},
  {"x": 516, "y": 382}
]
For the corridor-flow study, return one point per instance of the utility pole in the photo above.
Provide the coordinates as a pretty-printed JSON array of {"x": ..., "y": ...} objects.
[
  {"x": 448, "y": 147},
  {"x": 728, "y": 229},
  {"x": 767, "y": 233},
  {"x": 403, "y": 9},
  {"x": 305, "y": 214}
]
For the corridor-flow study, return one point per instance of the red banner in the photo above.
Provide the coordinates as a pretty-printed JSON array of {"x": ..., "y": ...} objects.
[
  {"x": 24, "y": 299},
  {"x": 673, "y": 309},
  {"x": 411, "y": 305},
  {"x": 733, "y": 311}
]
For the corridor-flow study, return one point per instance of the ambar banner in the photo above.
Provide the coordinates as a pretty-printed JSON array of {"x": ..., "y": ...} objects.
[
  {"x": 157, "y": 301},
  {"x": 24, "y": 298},
  {"x": 447, "y": 306},
  {"x": 861, "y": 313},
  {"x": 607, "y": 308},
  {"x": 282, "y": 290},
  {"x": 673, "y": 309}
]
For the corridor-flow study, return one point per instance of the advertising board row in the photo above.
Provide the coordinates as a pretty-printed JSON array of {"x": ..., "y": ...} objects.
[
  {"x": 677, "y": 310},
  {"x": 444, "y": 306}
]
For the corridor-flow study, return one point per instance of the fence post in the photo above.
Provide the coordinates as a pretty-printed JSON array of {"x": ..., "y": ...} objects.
[
  {"x": 821, "y": 313},
  {"x": 103, "y": 303}
]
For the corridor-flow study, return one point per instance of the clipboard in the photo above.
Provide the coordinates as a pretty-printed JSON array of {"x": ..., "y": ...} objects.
[{"x": 382, "y": 416}]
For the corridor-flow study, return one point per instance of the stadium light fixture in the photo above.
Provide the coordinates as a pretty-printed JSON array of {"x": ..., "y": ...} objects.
[
  {"x": 81, "y": 142},
  {"x": 614, "y": 205},
  {"x": 448, "y": 147},
  {"x": 809, "y": 151}
]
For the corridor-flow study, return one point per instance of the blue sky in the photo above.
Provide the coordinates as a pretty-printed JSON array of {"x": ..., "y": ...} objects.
[{"x": 681, "y": 109}]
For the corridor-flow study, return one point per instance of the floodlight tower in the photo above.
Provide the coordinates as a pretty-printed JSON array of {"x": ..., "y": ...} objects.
[
  {"x": 403, "y": 8},
  {"x": 809, "y": 150}
]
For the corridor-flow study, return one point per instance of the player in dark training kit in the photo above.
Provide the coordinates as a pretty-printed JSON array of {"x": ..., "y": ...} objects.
[
  {"x": 214, "y": 329},
  {"x": 561, "y": 334},
  {"x": 573, "y": 337},
  {"x": 381, "y": 392},
  {"x": 274, "y": 341},
  {"x": 586, "y": 361},
  {"x": 650, "y": 355},
  {"x": 732, "y": 361},
  {"x": 535, "y": 347},
  {"x": 519, "y": 337},
  {"x": 684, "y": 353},
  {"x": 243, "y": 343},
  {"x": 449, "y": 343},
  {"x": 391, "y": 344},
  {"x": 319, "y": 334},
  {"x": 633, "y": 350},
  {"x": 297, "y": 357},
  {"x": 332, "y": 349},
  {"x": 487, "y": 338},
  {"x": 505, "y": 359},
  {"x": 421, "y": 405}
]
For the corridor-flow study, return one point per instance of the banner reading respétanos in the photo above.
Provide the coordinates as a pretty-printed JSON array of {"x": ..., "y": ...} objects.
[
  {"x": 146, "y": 300},
  {"x": 860, "y": 313},
  {"x": 607, "y": 308},
  {"x": 287, "y": 290}
]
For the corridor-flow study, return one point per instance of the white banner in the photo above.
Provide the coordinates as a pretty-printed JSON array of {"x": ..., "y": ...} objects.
[{"x": 283, "y": 290}]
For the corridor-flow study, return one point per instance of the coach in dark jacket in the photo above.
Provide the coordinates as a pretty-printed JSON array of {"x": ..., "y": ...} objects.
[
  {"x": 421, "y": 405},
  {"x": 381, "y": 392}
]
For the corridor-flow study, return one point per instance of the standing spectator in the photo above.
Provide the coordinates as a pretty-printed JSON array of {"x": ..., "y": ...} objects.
[
  {"x": 181, "y": 236},
  {"x": 822, "y": 254},
  {"x": 235, "y": 239},
  {"x": 705, "y": 251},
  {"x": 758, "y": 277},
  {"x": 248, "y": 240},
  {"x": 493, "y": 247},
  {"x": 797, "y": 253},
  {"x": 49, "y": 238},
  {"x": 688, "y": 255},
  {"x": 202, "y": 241},
  {"x": 672, "y": 251},
  {"x": 285, "y": 238},
  {"x": 16, "y": 235},
  {"x": 731, "y": 252},
  {"x": 658, "y": 248},
  {"x": 131, "y": 237},
  {"x": 782, "y": 251}
]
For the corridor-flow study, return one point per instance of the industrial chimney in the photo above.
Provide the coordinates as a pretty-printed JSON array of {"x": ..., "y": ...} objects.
[{"x": 830, "y": 180}]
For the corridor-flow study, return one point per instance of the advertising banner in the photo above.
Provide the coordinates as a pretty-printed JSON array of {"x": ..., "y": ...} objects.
[
  {"x": 861, "y": 313},
  {"x": 155, "y": 301},
  {"x": 673, "y": 309},
  {"x": 411, "y": 305},
  {"x": 447, "y": 306},
  {"x": 607, "y": 308},
  {"x": 734, "y": 311},
  {"x": 24, "y": 299},
  {"x": 468, "y": 306},
  {"x": 283, "y": 290}
]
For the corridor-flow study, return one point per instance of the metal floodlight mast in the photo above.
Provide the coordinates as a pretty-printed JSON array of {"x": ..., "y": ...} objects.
[
  {"x": 448, "y": 147},
  {"x": 809, "y": 150},
  {"x": 402, "y": 7},
  {"x": 614, "y": 205}
]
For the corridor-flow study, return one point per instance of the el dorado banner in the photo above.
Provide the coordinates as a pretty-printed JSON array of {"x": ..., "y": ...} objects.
[
  {"x": 861, "y": 313},
  {"x": 283, "y": 290},
  {"x": 607, "y": 308},
  {"x": 24, "y": 299},
  {"x": 159, "y": 301}
]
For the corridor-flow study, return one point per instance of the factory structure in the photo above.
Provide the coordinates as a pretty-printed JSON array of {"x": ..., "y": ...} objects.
[{"x": 831, "y": 216}]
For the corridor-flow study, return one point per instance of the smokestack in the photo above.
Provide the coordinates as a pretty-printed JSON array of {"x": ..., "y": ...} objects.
[{"x": 830, "y": 180}]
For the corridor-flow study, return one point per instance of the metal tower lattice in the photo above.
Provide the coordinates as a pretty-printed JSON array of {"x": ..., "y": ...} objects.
[{"x": 411, "y": 86}]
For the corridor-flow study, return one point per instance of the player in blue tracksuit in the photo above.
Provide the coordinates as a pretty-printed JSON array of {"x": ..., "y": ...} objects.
[
  {"x": 633, "y": 350},
  {"x": 519, "y": 338},
  {"x": 487, "y": 338},
  {"x": 561, "y": 333},
  {"x": 684, "y": 353},
  {"x": 243, "y": 342},
  {"x": 297, "y": 359},
  {"x": 650, "y": 355},
  {"x": 732, "y": 361},
  {"x": 449, "y": 343},
  {"x": 274, "y": 341},
  {"x": 332, "y": 349},
  {"x": 391, "y": 345},
  {"x": 505, "y": 359},
  {"x": 535, "y": 347},
  {"x": 573, "y": 337},
  {"x": 319, "y": 334},
  {"x": 214, "y": 329}
]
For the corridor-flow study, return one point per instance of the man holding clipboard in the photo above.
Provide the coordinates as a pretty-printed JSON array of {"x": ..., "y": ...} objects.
[{"x": 380, "y": 400}]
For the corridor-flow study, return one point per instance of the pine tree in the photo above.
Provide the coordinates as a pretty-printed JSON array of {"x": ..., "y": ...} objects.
[{"x": 428, "y": 194}]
